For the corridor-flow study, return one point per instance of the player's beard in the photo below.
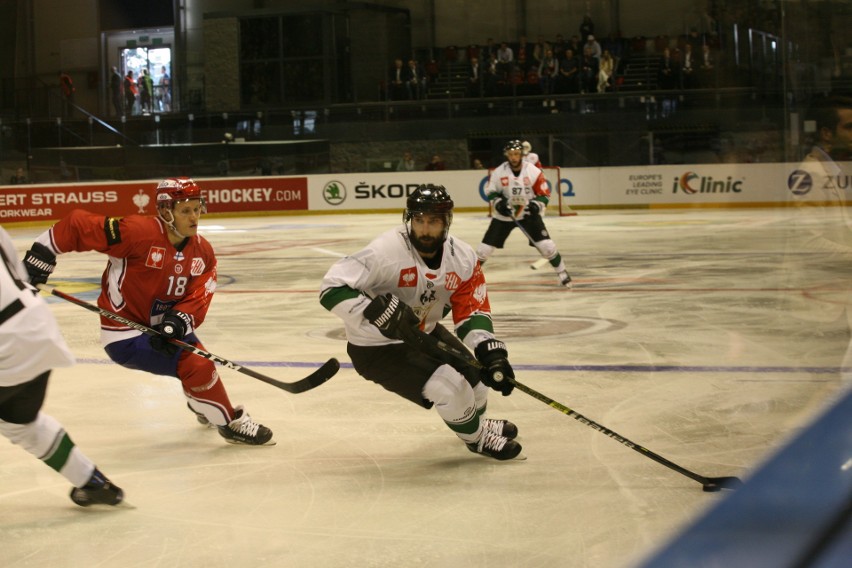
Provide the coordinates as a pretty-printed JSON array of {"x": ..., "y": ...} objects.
[{"x": 426, "y": 244}]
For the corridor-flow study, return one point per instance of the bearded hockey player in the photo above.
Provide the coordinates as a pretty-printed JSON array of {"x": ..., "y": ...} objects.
[{"x": 403, "y": 283}]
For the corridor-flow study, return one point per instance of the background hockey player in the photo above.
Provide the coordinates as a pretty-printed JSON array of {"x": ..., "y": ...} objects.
[
  {"x": 31, "y": 346},
  {"x": 519, "y": 194},
  {"x": 408, "y": 279},
  {"x": 160, "y": 273},
  {"x": 529, "y": 155}
]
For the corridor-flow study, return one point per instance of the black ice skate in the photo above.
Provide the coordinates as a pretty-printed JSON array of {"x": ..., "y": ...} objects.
[
  {"x": 243, "y": 430},
  {"x": 98, "y": 491},
  {"x": 500, "y": 427},
  {"x": 495, "y": 446},
  {"x": 564, "y": 279}
]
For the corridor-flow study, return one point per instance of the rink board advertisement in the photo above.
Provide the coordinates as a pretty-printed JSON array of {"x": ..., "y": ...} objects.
[
  {"x": 631, "y": 186},
  {"x": 27, "y": 203},
  {"x": 692, "y": 185}
]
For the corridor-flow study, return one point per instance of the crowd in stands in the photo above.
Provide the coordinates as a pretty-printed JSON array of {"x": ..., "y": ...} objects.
[{"x": 582, "y": 63}]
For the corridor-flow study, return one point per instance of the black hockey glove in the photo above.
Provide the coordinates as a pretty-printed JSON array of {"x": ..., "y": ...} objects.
[
  {"x": 497, "y": 372},
  {"x": 535, "y": 207},
  {"x": 39, "y": 262},
  {"x": 501, "y": 205},
  {"x": 173, "y": 326},
  {"x": 394, "y": 318}
]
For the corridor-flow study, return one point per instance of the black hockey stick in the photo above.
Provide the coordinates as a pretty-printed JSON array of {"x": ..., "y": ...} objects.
[
  {"x": 315, "y": 379},
  {"x": 709, "y": 484}
]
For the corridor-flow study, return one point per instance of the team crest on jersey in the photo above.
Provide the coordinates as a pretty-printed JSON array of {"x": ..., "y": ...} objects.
[
  {"x": 407, "y": 278},
  {"x": 452, "y": 282},
  {"x": 480, "y": 293},
  {"x": 156, "y": 257},
  {"x": 197, "y": 267},
  {"x": 504, "y": 181}
]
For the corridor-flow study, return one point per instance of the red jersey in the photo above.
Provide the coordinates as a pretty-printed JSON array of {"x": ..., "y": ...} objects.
[{"x": 146, "y": 275}]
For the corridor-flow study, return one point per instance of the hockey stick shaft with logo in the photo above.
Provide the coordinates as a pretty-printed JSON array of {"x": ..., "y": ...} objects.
[
  {"x": 430, "y": 343},
  {"x": 315, "y": 379}
]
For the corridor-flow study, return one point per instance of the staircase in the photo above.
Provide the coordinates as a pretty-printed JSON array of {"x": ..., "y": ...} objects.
[
  {"x": 450, "y": 83},
  {"x": 640, "y": 73}
]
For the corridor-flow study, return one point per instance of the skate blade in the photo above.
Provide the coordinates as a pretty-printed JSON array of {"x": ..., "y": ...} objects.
[{"x": 268, "y": 444}]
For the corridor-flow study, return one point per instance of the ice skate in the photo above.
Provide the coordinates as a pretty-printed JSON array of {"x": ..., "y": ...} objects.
[
  {"x": 564, "y": 279},
  {"x": 98, "y": 491},
  {"x": 243, "y": 430},
  {"x": 496, "y": 446},
  {"x": 200, "y": 417},
  {"x": 500, "y": 427}
]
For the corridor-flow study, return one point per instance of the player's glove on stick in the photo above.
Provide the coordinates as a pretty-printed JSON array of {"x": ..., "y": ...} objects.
[
  {"x": 535, "y": 207},
  {"x": 174, "y": 326},
  {"x": 497, "y": 372},
  {"x": 39, "y": 262},
  {"x": 501, "y": 205},
  {"x": 394, "y": 318}
]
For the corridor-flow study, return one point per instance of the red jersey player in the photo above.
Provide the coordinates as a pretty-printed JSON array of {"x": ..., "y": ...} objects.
[{"x": 161, "y": 273}]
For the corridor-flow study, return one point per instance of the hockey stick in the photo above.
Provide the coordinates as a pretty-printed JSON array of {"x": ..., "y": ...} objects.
[
  {"x": 315, "y": 379},
  {"x": 709, "y": 484},
  {"x": 540, "y": 263}
]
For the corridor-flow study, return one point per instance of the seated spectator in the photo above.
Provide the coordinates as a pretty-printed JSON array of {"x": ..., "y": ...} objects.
[
  {"x": 589, "y": 72},
  {"x": 523, "y": 54},
  {"x": 397, "y": 90},
  {"x": 548, "y": 72},
  {"x": 19, "y": 177},
  {"x": 415, "y": 81},
  {"x": 687, "y": 68},
  {"x": 436, "y": 164},
  {"x": 605, "y": 71},
  {"x": 474, "y": 77},
  {"x": 505, "y": 61},
  {"x": 593, "y": 47},
  {"x": 569, "y": 71},
  {"x": 406, "y": 164}
]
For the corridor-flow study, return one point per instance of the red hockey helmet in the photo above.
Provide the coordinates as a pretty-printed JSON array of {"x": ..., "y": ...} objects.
[{"x": 172, "y": 191}]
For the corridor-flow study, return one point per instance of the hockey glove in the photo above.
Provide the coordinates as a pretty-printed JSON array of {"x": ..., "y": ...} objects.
[
  {"x": 536, "y": 207},
  {"x": 497, "y": 373},
  {"x": 394, "y": 318},
  {"x": 501, "y": 205},
  {"x": 174, "y": 326},
  {"x": 39, "y": 262}
]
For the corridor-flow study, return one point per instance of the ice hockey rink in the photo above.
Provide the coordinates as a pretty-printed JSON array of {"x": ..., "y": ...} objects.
[{"x": 710, "y": 337}]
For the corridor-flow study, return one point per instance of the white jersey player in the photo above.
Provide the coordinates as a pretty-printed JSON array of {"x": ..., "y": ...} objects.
[
  {"x": 30, "y": 347},
  {"x": 529, "y": 155},
  {"x": 400, "y": 286},
  {"x": 520, "y": 194}
]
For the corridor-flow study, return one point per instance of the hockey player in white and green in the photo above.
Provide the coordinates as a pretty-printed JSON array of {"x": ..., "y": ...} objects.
[{"x": 402, "y": 284}]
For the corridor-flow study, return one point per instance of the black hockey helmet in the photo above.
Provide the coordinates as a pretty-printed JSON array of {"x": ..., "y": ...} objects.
[
  {"x": 513, "y": 145},
  {"x": 429, "y": 198}
]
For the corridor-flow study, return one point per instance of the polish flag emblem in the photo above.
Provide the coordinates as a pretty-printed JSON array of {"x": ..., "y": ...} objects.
[
  {"x": 156, "y": 256},
  {"x": 407, "y": 278}
]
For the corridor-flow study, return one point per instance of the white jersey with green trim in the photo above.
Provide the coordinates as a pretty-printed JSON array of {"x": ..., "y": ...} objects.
[
  {"x": 30, "y": 340},
  {"x": 390, "y": 264}
]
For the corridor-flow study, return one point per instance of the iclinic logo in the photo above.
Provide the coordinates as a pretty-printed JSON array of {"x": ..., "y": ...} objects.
[{"x": 334, "y": 193}]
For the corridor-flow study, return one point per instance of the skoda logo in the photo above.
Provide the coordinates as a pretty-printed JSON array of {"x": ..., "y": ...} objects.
[
  {"x": 334, "y": 193},
  {"x": 800, "y": 182}
]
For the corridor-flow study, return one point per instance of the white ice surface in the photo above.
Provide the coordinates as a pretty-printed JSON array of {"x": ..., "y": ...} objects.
[{"x": 692, "y": 333}]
